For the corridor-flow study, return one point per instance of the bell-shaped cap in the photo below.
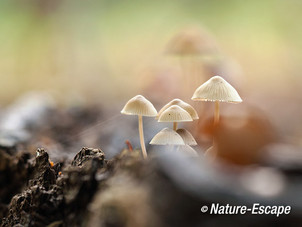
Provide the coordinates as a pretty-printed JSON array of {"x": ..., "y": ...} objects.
[
  {"x": 174, "y": 114},
  {"x": 188, "y": 151},
  {"x": 187, "y": 107},
  {"x": 187, "y": 137},
  {"x": 139, "y": 105},
  {"x": 216, "y": 89},
  {"x": 191, "y": 41},
  {"x": 167, "y": 136}
]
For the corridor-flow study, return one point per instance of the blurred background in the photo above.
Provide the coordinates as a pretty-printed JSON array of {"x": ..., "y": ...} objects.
[
  {"x": 68, "y": 67},
  {"x": 105, "y": 52}
]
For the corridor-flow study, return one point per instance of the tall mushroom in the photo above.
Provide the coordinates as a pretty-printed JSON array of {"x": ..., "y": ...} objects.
[
  {"x": 174, "y": 114},
  {"x": 216, "y": 90},
  {"x": 140, "y": 106},
  {"x": 189, "y": 45},
  {"x": 187, "y": 107}
]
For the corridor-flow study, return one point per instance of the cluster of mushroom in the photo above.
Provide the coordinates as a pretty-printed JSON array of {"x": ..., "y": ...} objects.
[
  {"x": 215, "y": 89},
  {"x": 176, "y": 111}
]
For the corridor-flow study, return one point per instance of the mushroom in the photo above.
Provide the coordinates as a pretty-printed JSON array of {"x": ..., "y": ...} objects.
[
  {"x": 186, "y": 149},
  {"x": 216, "y": 90},
  {"x": 188, "y": 140},
  {"x": 191, "y": 41},
  {"x": 211, "y": 153},
  {"x": 174, "y": 114},
  {"x": 187, "y": 107},
  {"x": 186, "y": 136},
  {"x": 140, "y": 106},
  {"x": 191, "y": 45},
  {"x": 167, "y": 136}
]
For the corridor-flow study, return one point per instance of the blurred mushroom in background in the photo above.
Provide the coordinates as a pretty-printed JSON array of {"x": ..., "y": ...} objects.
[
  {"x": 240, "y": 139},
  {"x": 191, "y": 45}
]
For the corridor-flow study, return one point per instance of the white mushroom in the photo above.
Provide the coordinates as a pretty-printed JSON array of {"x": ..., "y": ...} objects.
[
  {"x": 187, "y": 107},
  {"x": 167, "y": 136},
  {"x": 140, "y": 106},
  {"x": 216, "y": 90},
  {"x": 187, "y": 137},
  {"x": 175, "y": 114}
]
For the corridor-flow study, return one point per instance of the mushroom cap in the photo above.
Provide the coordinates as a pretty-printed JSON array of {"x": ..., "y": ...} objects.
[
  {"x": 167, "y": 136},
  {"x": 187, "y": 137},
  {"x": 187, "y": 107},
  {"x": 174, "y": 114},
  {"x": 189, "y": 151},
  {"x": 191, "y": 41},
  {"x": 216, "y": 89},
  {"x": 139, "y": 105}
]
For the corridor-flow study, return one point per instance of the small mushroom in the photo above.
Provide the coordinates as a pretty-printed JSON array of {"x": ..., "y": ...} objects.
[
  {"x": 187, "y": 107},
  {"x": 188, "y": 140},
  {"x": 186, "y": 149},
  {"x": 216, "y": 90},
  {"x": 140, "y": 106},
  {"x": 167, "y": 136},
  {"x": 174, "y": 114},
  {"x": 187, "y": 137}
]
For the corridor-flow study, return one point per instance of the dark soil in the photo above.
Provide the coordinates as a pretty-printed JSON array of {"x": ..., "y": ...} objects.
[
  {"x": 123, "y": 191},
  {"x": 168, "y": 189}
]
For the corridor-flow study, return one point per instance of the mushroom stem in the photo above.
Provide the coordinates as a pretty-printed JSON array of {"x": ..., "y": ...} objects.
[
  {"x": 174, "y": 126},
  {"x": 216, "y": 115},
  {"x": 141, "y": 136},
  {"x": 185, "y": 71}
]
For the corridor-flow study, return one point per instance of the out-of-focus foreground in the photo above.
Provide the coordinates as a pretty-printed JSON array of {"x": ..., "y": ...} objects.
[{"x": 67, "y": 68}]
